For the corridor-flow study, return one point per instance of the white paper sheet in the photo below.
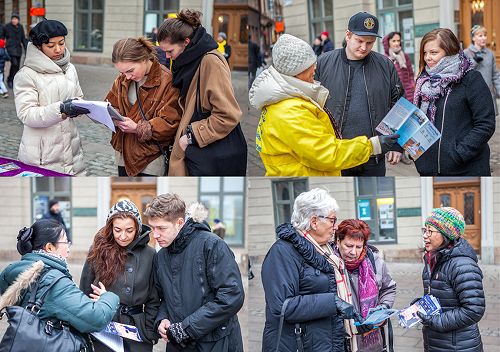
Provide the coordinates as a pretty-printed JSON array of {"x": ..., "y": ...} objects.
[
  {"x": 112, "y": 341},
  {"x": 98, "y": 112}
]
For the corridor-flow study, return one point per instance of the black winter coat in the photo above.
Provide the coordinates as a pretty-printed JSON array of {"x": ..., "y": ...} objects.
[
  {"x": 57, "y": 217},
  {"x": 384, "y": 88},
  {"x": 294, "y": 269},
  {"x": 200, "y": 285},
  {"x": 15, "y": 39},
  {"x": 467, "y": 126},
  {"x": 457, "y": 284},
  {"x": 135, "y": 287}
]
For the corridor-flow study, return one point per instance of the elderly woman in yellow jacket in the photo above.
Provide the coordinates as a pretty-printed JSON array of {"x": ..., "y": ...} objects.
[{"x": 296, "y": 135}]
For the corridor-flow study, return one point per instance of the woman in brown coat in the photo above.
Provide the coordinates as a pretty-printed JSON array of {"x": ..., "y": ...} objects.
[
  {"x": 142, "y": 141},
  {"x": 211, "y": 142}
]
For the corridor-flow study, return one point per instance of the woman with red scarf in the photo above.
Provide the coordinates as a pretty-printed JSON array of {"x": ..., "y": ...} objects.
[{"x": 370, "y": 281}]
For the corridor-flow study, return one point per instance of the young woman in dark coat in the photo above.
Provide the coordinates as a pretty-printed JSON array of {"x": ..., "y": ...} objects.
[
  {"x": 121, "y": 258},
  {"x": 458, "y": 102},
  {"x": 452, "y": 275},
  {"x": 296, "y": 271}
]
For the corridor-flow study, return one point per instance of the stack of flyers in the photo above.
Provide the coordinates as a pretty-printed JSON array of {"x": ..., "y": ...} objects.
[
  {"x": 378, "y": 316},
  {"x": 8, "y": 167},
  {"x": 428, "y": 305},
  {"x": 112, "y": 335}
]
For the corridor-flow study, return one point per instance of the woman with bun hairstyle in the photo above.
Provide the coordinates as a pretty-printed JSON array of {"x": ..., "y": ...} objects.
[
  {"x": 144, "y": 95},
  {"x": 44, "y": 248},
  {"x": 44, "y": 89},
  {"x": 122, "y": 259},
  {"x": 198, "y": 67}
]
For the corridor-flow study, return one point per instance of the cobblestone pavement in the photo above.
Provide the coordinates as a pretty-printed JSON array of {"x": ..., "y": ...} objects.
[
  {"x": 409, "y": 286},
  {"x": 76, "y": 269}
]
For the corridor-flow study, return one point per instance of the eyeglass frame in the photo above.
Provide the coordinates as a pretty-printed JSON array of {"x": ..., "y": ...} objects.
[
  {"x": 69, "y": 243},
  {"x": 425, "y": 232},
  {"x": 333, "y": 220}
]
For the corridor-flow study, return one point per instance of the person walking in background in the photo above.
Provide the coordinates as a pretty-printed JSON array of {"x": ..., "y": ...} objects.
[
  {"x": 458, "y": 102},
  {"x": 121, "y": 258},
  {"x": 209, "y": 141},
  {"x": 451, "y": 274},
  {"x": 363, "y": 86},
  {"x": 4, "y": 56},
  {"x": 144, "y": 94},
  {"x": 307, "y": 296},
  {"x": 55, "y": 214},
  {"x": 296, "y": 135},
  {"x": 317, "y": 46},
  {"x": 254, "y": 60},
  {"x": 223, "y": 46},
  {"x": 326, "y": 42},
  {"x": 371, "y": 283},
  {"x": 484, "y": 61},
  {"x": 219, "y": 228},
  {"x": 44, "y": 248},
  {"x": 197, "y": 277},
  {"x": 44, "y": 90},
  {"x": 16, "y": 42}
]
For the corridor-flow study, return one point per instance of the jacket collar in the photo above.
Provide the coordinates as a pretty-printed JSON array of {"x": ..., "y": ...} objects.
[
  {"x": 39, "y": 62},
  {"x": 185, "y": 235},
  {"x": 142, "y": 240},
  {"x": 154, "y": 77},
  {"x": 305, "y": 248},
  {"x": 365, "y": 61}
]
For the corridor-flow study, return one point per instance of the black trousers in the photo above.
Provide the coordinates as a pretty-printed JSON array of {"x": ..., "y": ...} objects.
[
  {"x": 122, "y": 172},
  {"x": 15, "y": 61},
  {"x": 375, "y": 166}
]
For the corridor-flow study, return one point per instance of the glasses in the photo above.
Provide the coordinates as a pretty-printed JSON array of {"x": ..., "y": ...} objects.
[
  {"x": 69, "y": 243},
  {"x": 427, "y": 233},
  {"x": 332, "y": 220}
]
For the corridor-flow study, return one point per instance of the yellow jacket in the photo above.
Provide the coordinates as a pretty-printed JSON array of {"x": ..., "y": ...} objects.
[{"x": 296, "y": 138}]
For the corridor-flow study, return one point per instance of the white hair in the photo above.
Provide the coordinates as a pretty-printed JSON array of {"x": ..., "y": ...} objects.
[{"x": 317, "y": 201}]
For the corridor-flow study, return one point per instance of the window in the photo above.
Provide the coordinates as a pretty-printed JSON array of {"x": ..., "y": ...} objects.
[
  {"x": 375, "y": 204},
  {"x": 156, "y": 11},
  {"x": 397, "y": 16},
  {"x": 89, "y": 25},
  {"x": 224, "y": 198},
  {"x": 321, "y": 18},
  {"x": 47, "y": 188},
  {"x": 284, "y": 194}
]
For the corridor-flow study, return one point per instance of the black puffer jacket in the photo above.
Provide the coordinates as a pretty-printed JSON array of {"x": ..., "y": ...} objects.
[
  {"x": 457, "y": 283},
  {"x": 466, "y": 127},
  {"x": 16, "y": 40},
  {"x": 294, "y": 269},
  {"x": 200, "y": 285}
]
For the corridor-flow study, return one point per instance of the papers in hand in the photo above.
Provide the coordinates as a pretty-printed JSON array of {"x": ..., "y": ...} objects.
[
  {"x": 100, "y": 111},
  {"x": 416, "y": 132},
  {"x": 428, "y": 305},
  {"x": 113, "y": 334},
  {"x": 377, "y": 316}
]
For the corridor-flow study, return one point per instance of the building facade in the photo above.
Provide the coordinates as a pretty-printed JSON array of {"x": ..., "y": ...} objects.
[
  {"x": 395, "y": 208},
  {"x": 85, "y": 203}
]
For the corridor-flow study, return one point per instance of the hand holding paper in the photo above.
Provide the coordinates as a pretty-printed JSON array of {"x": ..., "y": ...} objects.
[{"x": 100, "y": 111}]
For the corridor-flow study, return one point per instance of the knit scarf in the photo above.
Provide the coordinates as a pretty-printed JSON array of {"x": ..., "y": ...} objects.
[
  {"x": 398, "y": 56},
  {"x": 186, "y": 64},
  {"x": 436, "y": 82},
  {"x": 63, "y": 62},
  {"x": 50, "y": 255},
  {"x": 221, "y": 47}
]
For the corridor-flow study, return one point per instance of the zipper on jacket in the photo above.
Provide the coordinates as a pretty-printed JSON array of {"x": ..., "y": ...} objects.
[
  {"x": 345, "y": 100},
  {"x": 368, "y": 100},
  {"x": 440, "y": 139}
]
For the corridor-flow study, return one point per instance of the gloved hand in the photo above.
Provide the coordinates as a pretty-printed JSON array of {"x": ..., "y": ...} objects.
[
  {"x": 67, "y": 107},
  {"x": 415, "y": 300},
  {"x": 364, "y": 328},
  {"x": 389, "y": 143},
  {"x": 347, "y": 311},
  {"x": 178, "y": 336},
  {"x": 426, "y": 319}
]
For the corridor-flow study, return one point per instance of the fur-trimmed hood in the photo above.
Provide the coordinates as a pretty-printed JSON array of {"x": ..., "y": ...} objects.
[{"x": 13, "y": 294}]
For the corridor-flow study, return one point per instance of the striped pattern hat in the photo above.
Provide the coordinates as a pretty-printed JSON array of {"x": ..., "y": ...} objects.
[
  {"x": 449, "y": 221},
  {"x": 129, "y": 207}
]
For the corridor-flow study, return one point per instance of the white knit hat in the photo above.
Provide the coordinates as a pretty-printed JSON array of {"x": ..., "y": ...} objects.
[{"x": 292, "y": 55}]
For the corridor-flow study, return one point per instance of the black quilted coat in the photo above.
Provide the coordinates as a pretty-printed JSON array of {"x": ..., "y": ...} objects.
[{"x": 457, "y": 282}]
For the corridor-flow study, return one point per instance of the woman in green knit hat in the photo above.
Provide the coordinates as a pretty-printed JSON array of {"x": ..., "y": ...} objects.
[{"x": 452, "y": 275}]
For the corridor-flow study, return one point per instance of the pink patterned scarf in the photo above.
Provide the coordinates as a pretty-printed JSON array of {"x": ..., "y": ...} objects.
[{"x": 368, "y": 296}]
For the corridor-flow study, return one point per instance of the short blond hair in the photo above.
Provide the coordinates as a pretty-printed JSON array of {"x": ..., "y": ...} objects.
[
  {"x": 167, "y": 206},
  {"x": 477, "y": 29}
]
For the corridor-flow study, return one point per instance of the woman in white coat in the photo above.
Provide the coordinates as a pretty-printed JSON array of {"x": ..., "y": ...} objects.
[{"x": 44, "y": 89}]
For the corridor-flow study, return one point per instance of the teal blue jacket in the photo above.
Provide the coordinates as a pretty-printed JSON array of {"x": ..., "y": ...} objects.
[{"x": 65, "y": 301}]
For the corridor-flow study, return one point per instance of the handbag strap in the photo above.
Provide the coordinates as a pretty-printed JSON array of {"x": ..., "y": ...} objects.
[
  {"x": 282, "y": 318},
  {"x": 34, "y": 288}
]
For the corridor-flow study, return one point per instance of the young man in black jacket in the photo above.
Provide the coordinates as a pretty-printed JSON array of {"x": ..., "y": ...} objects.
[
  {"x": 363, "y": 85},
  {"x": 16, "y": 41},
  {"x": 198, "y": 280}
]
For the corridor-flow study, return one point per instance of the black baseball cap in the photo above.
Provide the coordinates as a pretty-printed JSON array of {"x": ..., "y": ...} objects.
[{"x": 364, "y": 24}]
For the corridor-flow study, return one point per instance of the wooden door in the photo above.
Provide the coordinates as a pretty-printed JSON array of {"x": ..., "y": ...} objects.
[
  {"x": 140, "y": 191},
  {"x": 484, "y": 13},
  {"x": 465, "y": 196},
  {"x": 232, "y": 19}
]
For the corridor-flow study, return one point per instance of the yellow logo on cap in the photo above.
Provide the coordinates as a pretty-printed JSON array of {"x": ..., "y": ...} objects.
[{"x": 369, "y": 23}]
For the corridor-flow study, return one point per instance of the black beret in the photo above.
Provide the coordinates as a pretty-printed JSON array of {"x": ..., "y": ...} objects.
[{"x": 43, "y": 31}]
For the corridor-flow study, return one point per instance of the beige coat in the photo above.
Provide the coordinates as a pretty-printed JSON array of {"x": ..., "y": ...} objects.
[
  {"x": 217, "y": 96},
  {"x": 48, "y": 141}
]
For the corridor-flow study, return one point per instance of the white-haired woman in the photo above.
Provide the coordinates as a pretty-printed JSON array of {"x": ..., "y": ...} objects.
[{"x": 304, "y": 285}]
